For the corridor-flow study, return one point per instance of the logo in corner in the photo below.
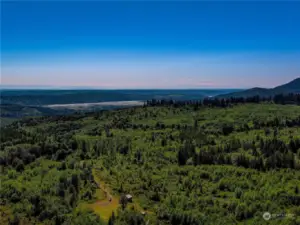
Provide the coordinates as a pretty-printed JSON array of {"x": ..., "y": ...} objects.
[{"x": 267, "y": 216}]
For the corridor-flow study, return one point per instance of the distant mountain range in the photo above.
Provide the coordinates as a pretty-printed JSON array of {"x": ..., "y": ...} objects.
[{"x": 291, "y": 87}]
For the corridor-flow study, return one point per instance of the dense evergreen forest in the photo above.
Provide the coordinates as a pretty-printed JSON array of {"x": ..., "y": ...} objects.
[{"x": 166, "y": 163}]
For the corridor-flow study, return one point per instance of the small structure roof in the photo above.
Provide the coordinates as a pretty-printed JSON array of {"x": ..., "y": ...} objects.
[{"x": 128, "y": 196}]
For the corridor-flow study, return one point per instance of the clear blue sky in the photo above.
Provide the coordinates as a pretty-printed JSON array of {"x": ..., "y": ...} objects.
[{"x": 150, "y": 44}]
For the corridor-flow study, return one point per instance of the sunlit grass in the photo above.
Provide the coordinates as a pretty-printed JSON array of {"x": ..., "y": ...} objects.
[
  {"x": 102, "y": 206},
  {"x": 105, "y": 208}
]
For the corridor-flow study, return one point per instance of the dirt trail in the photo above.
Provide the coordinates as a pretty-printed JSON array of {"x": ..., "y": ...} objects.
[
  {"x": 105, "y": 207},
  {"x": 109, "y": 197}
]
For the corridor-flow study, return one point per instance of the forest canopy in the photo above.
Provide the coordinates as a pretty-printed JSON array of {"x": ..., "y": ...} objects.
[{"x": 163, "y": 163}]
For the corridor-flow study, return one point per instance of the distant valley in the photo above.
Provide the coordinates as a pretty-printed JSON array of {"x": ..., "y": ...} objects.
[
  {"x": 16, "y": 104},
  {"x": 50, "y": 97}
]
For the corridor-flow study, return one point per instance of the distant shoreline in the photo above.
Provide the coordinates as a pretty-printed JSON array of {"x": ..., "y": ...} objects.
[{"x": 86, "y": 105}]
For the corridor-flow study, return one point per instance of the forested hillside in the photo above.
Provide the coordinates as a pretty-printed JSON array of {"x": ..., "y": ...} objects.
[
  {"x": 290, "y": 87},
  {"x": 163, "y": 164}
]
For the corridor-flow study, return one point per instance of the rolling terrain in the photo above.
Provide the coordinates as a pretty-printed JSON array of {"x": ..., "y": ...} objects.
[{"x": 182, "y": 165}]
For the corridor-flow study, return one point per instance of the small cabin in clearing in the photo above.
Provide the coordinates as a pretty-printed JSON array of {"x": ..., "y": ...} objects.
[{"x": 129, "y": 197}]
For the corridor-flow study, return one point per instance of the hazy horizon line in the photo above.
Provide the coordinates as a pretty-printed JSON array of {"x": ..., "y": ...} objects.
[{"x": 112, "y": 89}]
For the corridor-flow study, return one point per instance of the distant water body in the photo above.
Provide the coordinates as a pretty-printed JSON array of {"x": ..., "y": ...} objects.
[{"x": 96, "y": 104}]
